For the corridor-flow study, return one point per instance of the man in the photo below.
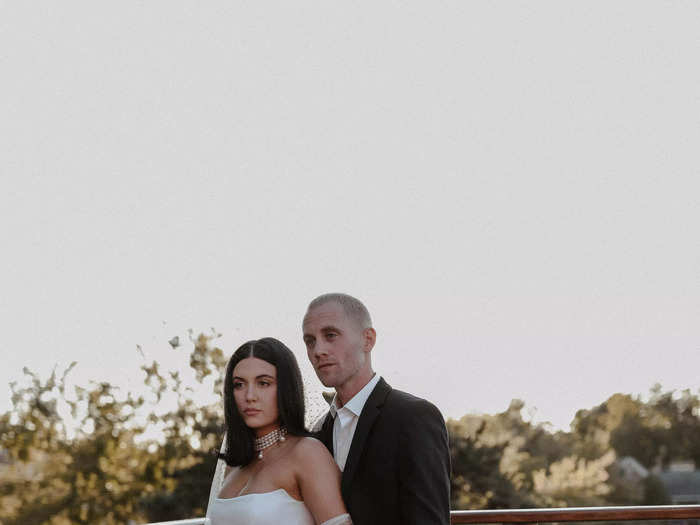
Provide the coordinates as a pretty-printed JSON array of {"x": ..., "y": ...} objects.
[{"x": 391, "y": 446}]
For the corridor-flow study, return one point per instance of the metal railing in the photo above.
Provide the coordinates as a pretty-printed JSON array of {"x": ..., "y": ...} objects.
[{"x": 655, "y": 512}]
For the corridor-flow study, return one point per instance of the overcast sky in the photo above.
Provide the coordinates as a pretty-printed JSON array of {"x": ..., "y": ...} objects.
[{"x": 511, "y": 187}]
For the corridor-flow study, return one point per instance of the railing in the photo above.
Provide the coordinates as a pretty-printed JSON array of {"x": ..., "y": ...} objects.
[{"x": 656, "y": 512}]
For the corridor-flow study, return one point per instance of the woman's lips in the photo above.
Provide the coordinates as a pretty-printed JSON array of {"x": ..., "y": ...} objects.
[{"x": 251, "y": 411}]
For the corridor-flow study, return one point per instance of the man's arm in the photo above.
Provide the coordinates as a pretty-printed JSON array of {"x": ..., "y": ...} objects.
[{"x": 424, "y": 466}]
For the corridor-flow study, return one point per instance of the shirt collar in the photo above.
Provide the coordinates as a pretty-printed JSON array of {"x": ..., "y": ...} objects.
[{"x": 357, "y": 403}]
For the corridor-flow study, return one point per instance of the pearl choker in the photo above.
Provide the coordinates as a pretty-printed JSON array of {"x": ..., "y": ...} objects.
[{"x": 269, "y": 439}]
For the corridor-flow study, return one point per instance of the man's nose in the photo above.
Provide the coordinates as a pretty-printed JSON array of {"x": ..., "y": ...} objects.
[{"x": 320, "y": 349}]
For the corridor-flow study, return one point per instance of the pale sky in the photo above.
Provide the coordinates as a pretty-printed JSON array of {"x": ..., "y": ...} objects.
[{"x": 512, "y": 188}]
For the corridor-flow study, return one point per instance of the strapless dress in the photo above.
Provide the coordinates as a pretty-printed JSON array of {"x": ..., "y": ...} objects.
[{"x": 267, "y": 508}]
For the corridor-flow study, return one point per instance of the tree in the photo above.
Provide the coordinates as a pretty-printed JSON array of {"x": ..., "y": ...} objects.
[
  {"x": 503, "y": 461},
  {"x": 106, "y": 471},
  {"x": 108, "y": 467},
  {"x": 654, "y": 432}
]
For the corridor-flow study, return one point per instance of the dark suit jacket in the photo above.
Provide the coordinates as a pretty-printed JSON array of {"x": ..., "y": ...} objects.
[{"x": 398, "y": 467}]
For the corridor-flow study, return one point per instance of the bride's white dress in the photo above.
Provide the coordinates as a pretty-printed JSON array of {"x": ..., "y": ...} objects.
[{"x": 268, "y": 508}]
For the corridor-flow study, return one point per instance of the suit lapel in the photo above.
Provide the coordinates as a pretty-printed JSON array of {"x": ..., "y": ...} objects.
[{"x": 369, "y": 414}]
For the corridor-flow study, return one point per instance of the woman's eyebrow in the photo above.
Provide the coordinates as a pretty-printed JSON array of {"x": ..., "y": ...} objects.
[{"x": 256, "y": 377}]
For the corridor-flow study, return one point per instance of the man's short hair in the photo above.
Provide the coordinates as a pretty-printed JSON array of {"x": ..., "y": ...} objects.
[{"x": 352, "y": 307}]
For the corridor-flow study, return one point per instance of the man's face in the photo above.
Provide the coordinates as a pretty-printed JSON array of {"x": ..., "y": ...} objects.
[{"x": 335, "y": 344}]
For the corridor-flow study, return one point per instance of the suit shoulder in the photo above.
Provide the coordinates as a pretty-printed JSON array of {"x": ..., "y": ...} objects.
[
  {"x": 404, "y": 401},
  {"x": 400, "y": 397}
]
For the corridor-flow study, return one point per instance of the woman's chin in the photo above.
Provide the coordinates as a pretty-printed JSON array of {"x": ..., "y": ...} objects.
[{"x": 261, "y": 427}]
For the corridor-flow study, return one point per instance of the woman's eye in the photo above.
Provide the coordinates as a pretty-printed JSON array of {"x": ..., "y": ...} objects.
[
  {"x": 264, "y": 383},
  {"x": 237, "y": 386}
]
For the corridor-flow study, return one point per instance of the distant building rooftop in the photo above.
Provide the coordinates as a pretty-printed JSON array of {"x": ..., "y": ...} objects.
[
  {"x": 630, "y": 468},
  {"x": 683, "y": 487}
]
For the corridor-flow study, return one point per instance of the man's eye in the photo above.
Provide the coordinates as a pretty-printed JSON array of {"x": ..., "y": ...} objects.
[{"x": 331, "y": 336}]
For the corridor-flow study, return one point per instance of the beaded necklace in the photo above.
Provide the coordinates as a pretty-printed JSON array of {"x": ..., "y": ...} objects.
[{"x": 269, "y": 439}]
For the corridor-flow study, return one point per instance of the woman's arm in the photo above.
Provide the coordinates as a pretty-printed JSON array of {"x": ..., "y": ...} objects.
[{"x": 319, "y": 482}]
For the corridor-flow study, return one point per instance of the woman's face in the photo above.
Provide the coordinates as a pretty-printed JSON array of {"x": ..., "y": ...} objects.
[{"x": 255, "y": 392}]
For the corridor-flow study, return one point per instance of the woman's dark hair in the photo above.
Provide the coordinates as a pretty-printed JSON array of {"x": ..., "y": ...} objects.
[{"x": 290, "y": 398}]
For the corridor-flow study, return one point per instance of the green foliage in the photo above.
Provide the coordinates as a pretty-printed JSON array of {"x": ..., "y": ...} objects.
[
  {"x": 574, "y": 481},
  {"x": 477, "y": 481},
  {"x": 654, "y": 432},
  {"x": 502, "y": 461},
  {"x": 110, "y": 468},
  {"x": 90, "y": 456}
]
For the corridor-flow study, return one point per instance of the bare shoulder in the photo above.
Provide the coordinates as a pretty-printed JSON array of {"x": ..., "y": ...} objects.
[
  {"x": 311, "y": 449},
  {"x": 318, "y": 476}
]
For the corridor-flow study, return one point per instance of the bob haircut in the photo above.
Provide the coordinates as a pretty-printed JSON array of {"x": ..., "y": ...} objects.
[{"x": 290, "y": 398}]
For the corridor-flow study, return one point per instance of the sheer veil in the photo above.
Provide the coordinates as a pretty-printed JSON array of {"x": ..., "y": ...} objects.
[{"x": 217, "y": 481}]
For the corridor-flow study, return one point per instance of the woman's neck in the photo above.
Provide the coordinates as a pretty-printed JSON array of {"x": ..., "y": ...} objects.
[{"x": 267, "y": 429}]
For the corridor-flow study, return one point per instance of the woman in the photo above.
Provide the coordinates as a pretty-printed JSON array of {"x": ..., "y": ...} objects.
[{"x": 276, "y": 473}]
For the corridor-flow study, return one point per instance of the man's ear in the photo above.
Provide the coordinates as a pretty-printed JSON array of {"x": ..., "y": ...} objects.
[{"x": 370, "y": 336}]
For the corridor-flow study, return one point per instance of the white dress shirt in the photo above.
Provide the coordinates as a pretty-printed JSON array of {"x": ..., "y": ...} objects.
[{"x": 346, "y": 420}]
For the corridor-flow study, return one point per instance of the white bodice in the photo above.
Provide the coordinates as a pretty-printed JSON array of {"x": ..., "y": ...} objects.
[{"x": 268, "y": 508}]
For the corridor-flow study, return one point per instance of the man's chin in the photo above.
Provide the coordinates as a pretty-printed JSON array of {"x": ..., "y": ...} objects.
[{"x": 327, "y": 381}]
